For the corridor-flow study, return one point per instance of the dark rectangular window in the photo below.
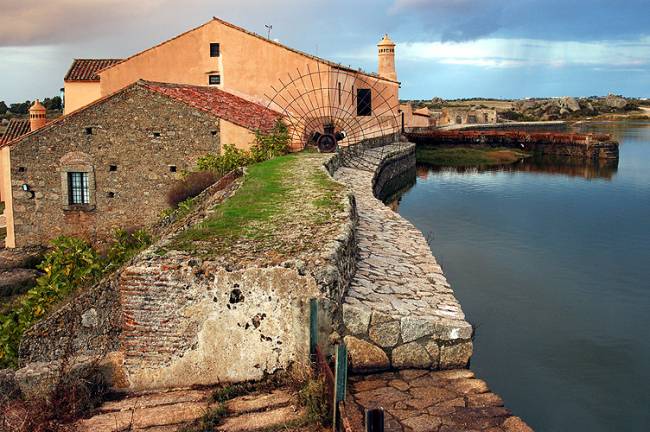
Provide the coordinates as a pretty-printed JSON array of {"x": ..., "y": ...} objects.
[
  {"x": 214, "y": 50},
  {"x": 214, "y": 79},
  {"x": 78, "y": 191},
  {"x": 364, "y": 102}
]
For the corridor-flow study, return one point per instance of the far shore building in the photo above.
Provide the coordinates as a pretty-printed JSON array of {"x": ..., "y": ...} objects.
[
  {"x": 110, "y": 164},
  {"x": 465, "y": 116},
  {"x": 416, "y": 118},
  {"x": 131, "y": 125}
]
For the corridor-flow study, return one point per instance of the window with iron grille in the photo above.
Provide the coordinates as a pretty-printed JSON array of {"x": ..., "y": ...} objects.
[
  {"x": 364, "y": 102},
  {"x": 78, "y": 191},
  {"x": 214, "y": 50},
  {"x": 214, "y": 79}
]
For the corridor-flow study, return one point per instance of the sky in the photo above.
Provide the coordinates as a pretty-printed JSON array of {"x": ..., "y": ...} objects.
[{"x": 445, "y": 48}]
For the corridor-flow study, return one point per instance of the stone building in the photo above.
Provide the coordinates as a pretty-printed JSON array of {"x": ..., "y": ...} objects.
[
  {"x": 110, "y": 164},
  {"x": 462, "y": 116},
  {"x": 16, "y": 128},
  {"x": 222, "y": 55}
]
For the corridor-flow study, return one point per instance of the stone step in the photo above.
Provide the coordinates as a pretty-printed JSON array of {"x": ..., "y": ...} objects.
[
  {"x": 256, "y": 421},
  {"x": 148, "y": 400},
  {"x": 260, "y": 402},
  {"x": 162, "y": 417}
]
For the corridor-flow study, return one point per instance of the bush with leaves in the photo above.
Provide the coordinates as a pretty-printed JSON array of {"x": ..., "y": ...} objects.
[
  {"x": 71, "y": 264},
  {"x": 267, "y": 146}
]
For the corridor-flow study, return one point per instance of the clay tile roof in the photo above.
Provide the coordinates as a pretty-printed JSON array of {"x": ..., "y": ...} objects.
[
  {"x": 86, "y": 69},
  {"x": 221, "y": 104},
  {"x": 15, "y": 129}
]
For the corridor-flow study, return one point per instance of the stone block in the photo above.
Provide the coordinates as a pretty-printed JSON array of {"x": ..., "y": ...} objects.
[
  {"x": 455, "y": 356},
  {"x": 356, "y": 319},
  {"x": 365, "y": 356},
  {"x": 8, "y": 385},
  {"x": 411, "y": 355},
  {"x": 386, "y": 334}
]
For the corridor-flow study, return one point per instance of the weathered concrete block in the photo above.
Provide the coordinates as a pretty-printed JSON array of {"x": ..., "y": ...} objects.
[
  {"x": 411, "y": 355},
  {"x": 364, "y": 356}
]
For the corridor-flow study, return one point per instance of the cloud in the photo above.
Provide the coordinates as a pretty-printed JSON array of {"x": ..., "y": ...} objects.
[
  {"x": 517, "y": 53},
  {"x": 33, "y": 22}
]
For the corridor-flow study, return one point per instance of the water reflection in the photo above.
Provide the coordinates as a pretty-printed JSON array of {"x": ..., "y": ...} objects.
[{"x": 572, "y": 167}]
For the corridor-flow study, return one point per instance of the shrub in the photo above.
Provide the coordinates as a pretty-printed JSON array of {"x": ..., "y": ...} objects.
[
  {"x": 71, "y": 264},
  {"x": 190, "y": 186},
  {"x": 267, "y": 146}
]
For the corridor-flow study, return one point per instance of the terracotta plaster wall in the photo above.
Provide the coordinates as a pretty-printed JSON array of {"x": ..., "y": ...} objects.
[
  {"x": 79, "y": 94},
  {"x": 241, "y": 137}
]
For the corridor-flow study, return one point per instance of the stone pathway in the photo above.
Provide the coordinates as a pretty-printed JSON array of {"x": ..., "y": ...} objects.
[
  {"x": 399, "y": 311},
  {"x": 177, "y": 409},
  {"x": 426, "y": 401}
]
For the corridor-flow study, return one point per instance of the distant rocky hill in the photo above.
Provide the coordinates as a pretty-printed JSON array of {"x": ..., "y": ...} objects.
[{"x": 545, "y": 109}]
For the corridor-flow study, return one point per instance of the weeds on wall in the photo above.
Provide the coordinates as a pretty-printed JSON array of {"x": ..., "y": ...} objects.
[{"x": 71, "y": 264}]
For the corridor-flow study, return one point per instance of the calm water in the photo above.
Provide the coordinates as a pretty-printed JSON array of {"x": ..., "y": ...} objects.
[{"x": 552, "y": 264}]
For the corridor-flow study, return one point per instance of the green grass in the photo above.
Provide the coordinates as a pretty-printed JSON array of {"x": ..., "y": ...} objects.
[
  {"x": 255, "y": 202},
  {"x": 464, "y": 156},
  {"x": 288, "y": 191}
]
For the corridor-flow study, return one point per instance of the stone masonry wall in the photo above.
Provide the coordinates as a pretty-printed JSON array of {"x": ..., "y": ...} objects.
[
  {"x": 400, "y": 311},
  {"x": 91, "y": 322},
  {"x": 145, "y": 136}
]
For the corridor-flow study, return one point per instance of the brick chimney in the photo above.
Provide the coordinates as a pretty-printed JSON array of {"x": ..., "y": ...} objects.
[{"x": 37, "y": 116}]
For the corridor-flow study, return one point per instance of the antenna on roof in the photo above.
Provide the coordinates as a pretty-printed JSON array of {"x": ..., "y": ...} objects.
[{"x": 269, "y": 27}]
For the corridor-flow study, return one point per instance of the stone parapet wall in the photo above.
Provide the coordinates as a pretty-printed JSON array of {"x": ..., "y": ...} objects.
[{"x": 399, "y": 312}]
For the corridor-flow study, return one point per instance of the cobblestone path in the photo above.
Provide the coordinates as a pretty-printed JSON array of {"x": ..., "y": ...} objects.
[
  {"x": 400, "y": 310},
  {"x": 422, "y": 401}
]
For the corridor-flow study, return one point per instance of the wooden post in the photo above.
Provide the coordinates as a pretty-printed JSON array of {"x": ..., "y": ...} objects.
[
  {"x": 313, "y": 326},
  {"x": 375, "y": 420},
  {"x": 340, "y": 380}
]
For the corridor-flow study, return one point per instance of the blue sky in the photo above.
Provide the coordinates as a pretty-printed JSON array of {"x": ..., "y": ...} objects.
[{"x": 446, "y": 48}]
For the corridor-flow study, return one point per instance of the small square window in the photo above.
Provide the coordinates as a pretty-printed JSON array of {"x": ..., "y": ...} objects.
[
  {"x": 213, "y": 133},
  {"x": 112, "y": 167},
  {"x": 214, "y": 79},
  {"x": 156, "y": 134},
  {"x": 89, "y": 131},
  {"x": 172, "y": 168},
  {"x": 214, "y": 50},
  {"x": 22, "y": 169},
  {"x": 110, "y": 195}
]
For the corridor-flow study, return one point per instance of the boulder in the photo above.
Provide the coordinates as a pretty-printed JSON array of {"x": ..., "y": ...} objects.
[
  {"x": 569, "y": 103},
  {"x": 8, "y": 386},
  {"x": 365, "y": 356},
  {"x": 356, "y": 318},
  {"x": 17, "y": 281},
  {"x": 616, "y": 102},
  {"x": 411, "y": 355},
  {"x": 455, "y": 356}
]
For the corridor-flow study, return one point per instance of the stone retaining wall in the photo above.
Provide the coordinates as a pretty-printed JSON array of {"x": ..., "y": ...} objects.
[{"x": 399, "y": 312}]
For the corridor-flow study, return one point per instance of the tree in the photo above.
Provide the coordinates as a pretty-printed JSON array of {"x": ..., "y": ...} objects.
[{"x": 3, "y": 108}]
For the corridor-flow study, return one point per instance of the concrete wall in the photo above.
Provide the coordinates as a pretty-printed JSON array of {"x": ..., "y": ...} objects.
[
  {"x": 79, "y": 94},
  {"x": 122, "y": 136}
]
